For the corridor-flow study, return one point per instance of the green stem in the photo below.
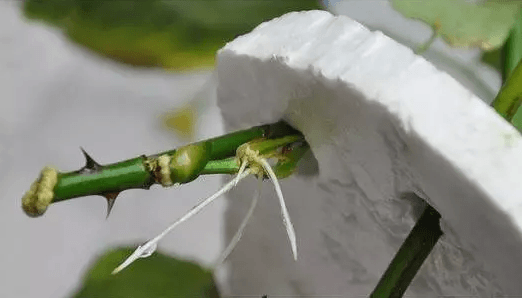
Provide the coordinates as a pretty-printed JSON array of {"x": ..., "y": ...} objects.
[
  {"x": 181, "y": 165},
  {"x": 410, "y": 256},
  {"x": 225, "y": 146},
  {"x": 110, "y": 178},
  {"x": 426, "y": 45},
  {"x": 509, "y": 98},
  {"x": 223, "y": 166}
]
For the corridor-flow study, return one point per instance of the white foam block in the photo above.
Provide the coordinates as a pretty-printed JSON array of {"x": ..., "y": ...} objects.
[{"x": 384, "y": 125}]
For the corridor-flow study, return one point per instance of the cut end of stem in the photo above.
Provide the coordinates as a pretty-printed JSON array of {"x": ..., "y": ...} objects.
[{"x": 41, "y": 194}]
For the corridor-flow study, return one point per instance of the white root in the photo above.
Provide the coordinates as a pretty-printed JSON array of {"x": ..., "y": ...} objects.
[
  {"x": 284, "y": 212},
  {"x": 241, "y": 228},
  {"x": 256, "y": 165},
  {"x": 242, "y": 168},
  {"x": 149, "y": 247}
]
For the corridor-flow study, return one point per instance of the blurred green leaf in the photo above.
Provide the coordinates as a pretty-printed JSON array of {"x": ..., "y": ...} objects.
[
  {"x": 181, "y": 121},
  {"x": 157, "y": 276},
  {"x": 493, "y": 58},
  {"x": 464, "y": 24},
  {"x": 173, "y": 34}
]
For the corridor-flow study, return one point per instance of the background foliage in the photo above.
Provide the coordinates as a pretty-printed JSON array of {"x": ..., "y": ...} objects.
[
  {"x": 158, "y": 276},
  {"x": 173, "y": 34}
]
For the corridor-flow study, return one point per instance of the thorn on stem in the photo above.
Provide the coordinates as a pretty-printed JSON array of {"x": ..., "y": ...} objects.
[
  {"x": 91, "y": 165},
  {"x": 111, "y": 199}
]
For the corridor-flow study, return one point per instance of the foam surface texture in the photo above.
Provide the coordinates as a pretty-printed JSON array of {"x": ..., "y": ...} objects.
[{"x": 389, "y": 130}]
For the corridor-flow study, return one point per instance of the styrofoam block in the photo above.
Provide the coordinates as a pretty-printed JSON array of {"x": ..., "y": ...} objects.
[{"x": 385, "y": 127}]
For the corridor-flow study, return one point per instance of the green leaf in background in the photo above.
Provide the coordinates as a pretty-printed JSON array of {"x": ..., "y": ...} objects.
[
  {"x": 172, "y": 34},
  {"x": 464, "y": 24},
  {"x": 181, "y": 121},
  {"x": 158, "y": 276}
]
